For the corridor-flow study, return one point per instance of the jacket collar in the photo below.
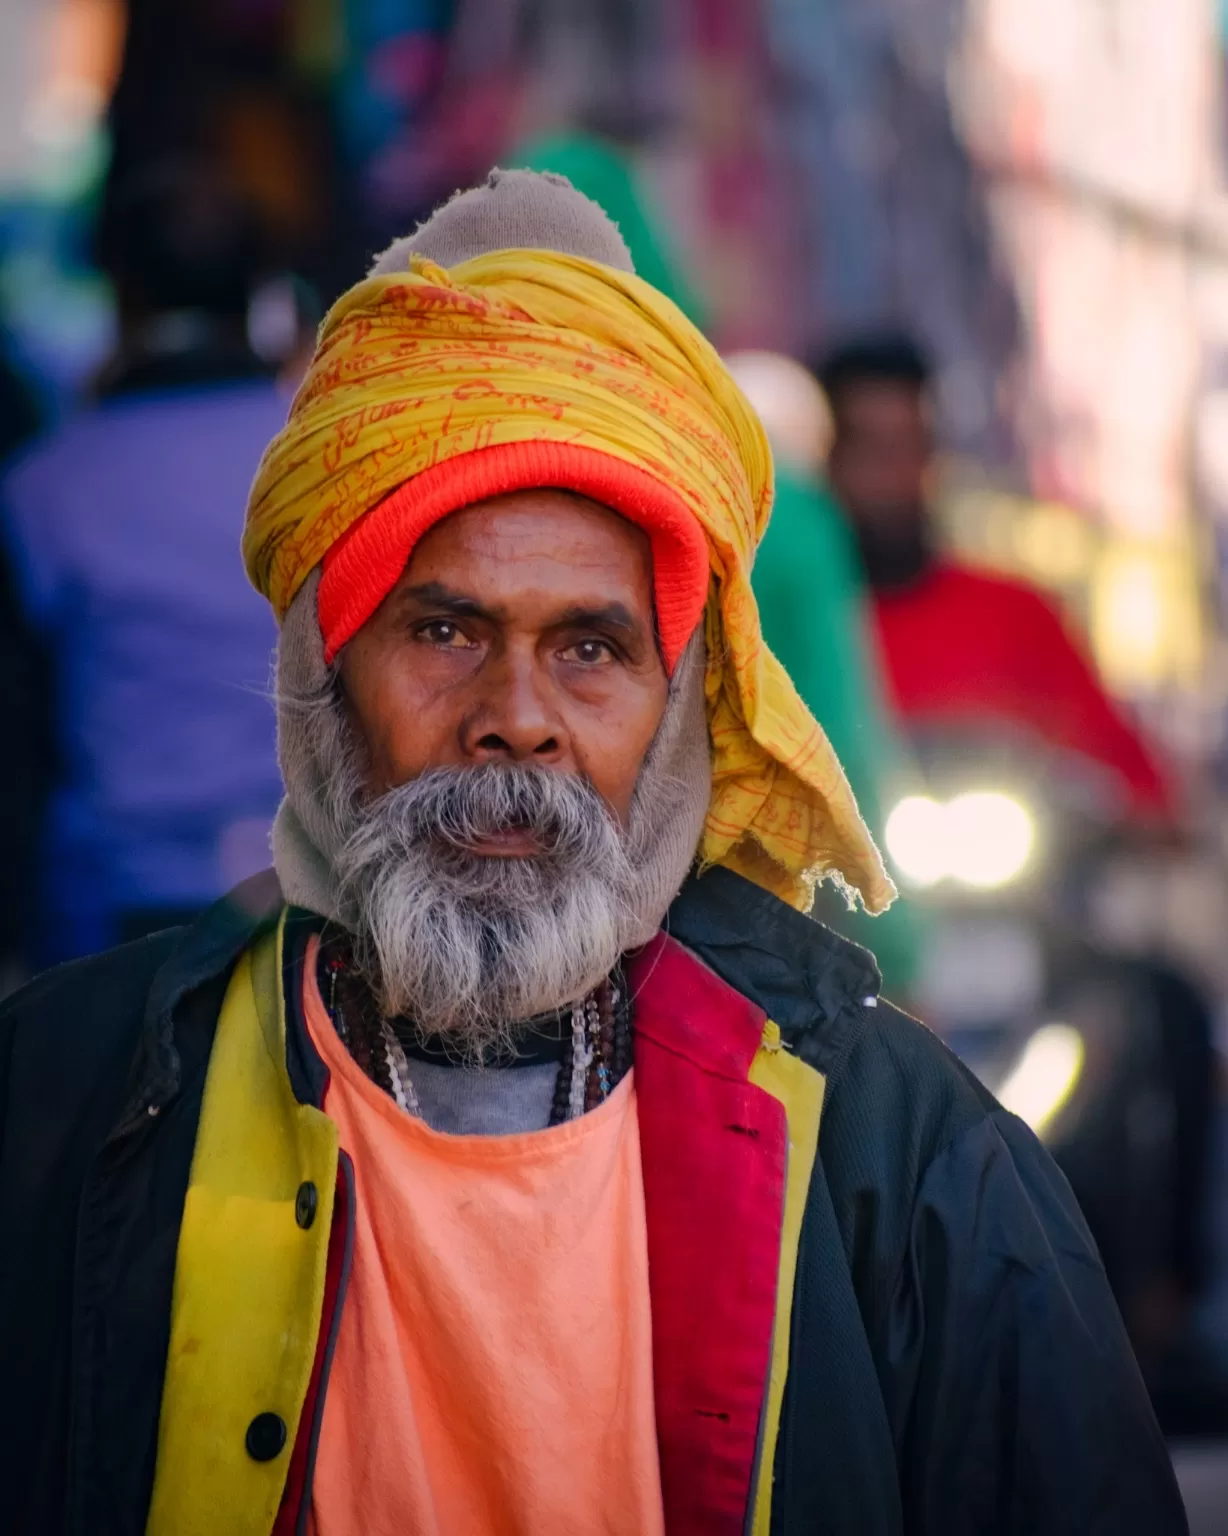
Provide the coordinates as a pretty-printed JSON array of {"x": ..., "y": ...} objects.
[
  {"x": 809, "y": 981},
  {"x": 812, "y": 983}
]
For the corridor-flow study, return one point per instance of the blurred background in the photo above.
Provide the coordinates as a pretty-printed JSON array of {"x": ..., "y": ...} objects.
[{"x": 970, "y": 260}]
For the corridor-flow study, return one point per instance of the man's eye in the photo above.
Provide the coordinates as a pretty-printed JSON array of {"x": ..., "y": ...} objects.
[
  {"x": 590, "y": 653},
  {"x": 443, "y": 632}
]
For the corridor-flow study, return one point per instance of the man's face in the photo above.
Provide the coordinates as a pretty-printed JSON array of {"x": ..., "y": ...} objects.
[
  {"x": 521, "y": 632},
  {"x": 492, "y": 834},
  {"x": 881, "y": 455}
]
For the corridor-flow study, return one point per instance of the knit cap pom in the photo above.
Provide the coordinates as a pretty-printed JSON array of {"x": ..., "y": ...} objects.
[{"x": 513, "y": 210}]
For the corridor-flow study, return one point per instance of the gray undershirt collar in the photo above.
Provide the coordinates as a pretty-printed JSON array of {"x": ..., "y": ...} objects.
[{"x": 484, "y": 1101}]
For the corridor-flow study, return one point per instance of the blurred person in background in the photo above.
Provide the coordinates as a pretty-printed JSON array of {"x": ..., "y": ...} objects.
[
  {"x": 121, "y": 527},
  {"x": 605, "y": 171},
  {"x": 972, "y": 652},
  {"x": 814, "y": 608},
  {"x": 959, "y": 644}
]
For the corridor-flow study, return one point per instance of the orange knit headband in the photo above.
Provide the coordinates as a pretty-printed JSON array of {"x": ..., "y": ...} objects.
[{"x": 365, "y": 564}]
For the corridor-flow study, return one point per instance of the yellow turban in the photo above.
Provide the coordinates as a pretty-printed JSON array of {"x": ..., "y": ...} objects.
[{"x": 418, "y": 368}]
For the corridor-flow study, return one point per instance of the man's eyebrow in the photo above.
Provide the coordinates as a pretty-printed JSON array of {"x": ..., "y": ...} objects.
[
  {"x": 612, "y": 615},
  {"x": 434, "y": 594}
]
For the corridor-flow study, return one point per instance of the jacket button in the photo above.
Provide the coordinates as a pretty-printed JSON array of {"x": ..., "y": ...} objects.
[
  {"x": 305, "y": 1203},
  {"x": 266, "y": 1435}
]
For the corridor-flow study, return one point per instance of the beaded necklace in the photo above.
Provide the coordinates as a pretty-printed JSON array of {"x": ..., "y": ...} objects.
[{"x": 595, "y": 1040}]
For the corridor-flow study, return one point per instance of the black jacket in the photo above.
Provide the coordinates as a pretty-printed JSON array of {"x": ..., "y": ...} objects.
[{"x": 957, "y": 1364}]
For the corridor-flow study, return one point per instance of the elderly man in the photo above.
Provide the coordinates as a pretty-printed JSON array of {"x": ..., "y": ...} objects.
[{"x": 478, "y": 1185}]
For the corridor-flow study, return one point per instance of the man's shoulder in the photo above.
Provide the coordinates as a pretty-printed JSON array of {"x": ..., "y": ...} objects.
[
  {"x": 994, "y": 591},
  {"x": 69, "y": 1036},
  {"x": 71, "y": 1016},
  {"x": 902, "y": 1100},
  {"x": 84, "y": 993},
  {"x": 896, "y": 1095},
  {"x": 72, "y": 444},
  {"x": 69, "y": 1042},
  {"x": 85, "y": 1043},
  {"x": 104, "y": 434}
]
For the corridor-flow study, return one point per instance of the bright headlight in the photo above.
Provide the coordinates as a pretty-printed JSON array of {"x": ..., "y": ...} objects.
[
  {"x": 1044, "y": 1077},
  {"x": 989, "y": 839},
  {"x": 916, "y": 839},
  {"x": 983, "y": 839}
]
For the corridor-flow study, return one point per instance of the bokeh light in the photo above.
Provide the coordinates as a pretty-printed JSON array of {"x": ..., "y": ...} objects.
[
  {"x": 983, "y": 839},
  {"x": 1046, "y": 1074}
]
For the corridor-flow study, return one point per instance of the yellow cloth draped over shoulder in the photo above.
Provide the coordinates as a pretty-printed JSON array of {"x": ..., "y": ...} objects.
[{"x": 417, "y": 368}]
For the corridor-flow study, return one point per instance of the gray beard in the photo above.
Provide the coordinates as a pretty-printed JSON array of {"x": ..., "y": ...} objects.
[
  {"x": 465, "y": 944},
  {"x": 470, "y": 946}
]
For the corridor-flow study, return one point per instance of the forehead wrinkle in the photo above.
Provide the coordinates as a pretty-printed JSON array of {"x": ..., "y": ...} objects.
[
  {"x": 492, "y": 581},
  {"x": 548, "y": 521}
]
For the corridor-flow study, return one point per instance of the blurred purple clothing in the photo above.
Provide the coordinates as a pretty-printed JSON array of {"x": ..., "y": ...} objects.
[{"x": 124, "y": 531}]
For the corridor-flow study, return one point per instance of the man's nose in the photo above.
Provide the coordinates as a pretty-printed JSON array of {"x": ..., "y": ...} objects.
[{"x": 515, "y": 719}]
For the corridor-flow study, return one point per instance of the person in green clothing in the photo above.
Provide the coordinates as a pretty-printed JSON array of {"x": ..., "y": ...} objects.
[
  {"x": 807, "y": 577},
  {"x": 605, "y": 173},
  {"x": 808, "y": 584}
]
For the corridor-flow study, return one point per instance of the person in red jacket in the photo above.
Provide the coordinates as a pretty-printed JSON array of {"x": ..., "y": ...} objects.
[{"x": 960, "y": 644}]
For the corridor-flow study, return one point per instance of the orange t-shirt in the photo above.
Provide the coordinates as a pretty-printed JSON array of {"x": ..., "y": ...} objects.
[{"x": 493, "y": 1368}]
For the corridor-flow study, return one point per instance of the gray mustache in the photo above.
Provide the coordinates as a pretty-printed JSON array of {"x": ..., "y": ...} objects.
[{"x": 455, "y": 807}]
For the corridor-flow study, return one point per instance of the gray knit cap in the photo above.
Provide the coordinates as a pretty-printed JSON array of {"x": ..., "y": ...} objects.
[{"x": 513, "y": 210}]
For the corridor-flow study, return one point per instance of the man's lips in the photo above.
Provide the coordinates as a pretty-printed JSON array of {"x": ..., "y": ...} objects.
[{"x": 516, "y": 843}]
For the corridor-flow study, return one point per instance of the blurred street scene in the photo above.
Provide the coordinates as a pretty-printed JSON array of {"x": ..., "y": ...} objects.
[{"x": 968, "y": 258}]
